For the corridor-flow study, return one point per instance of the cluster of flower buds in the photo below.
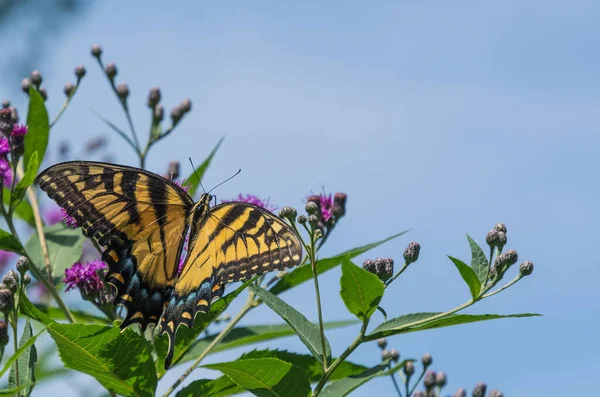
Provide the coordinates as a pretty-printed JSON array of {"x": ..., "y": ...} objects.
[
  {"x": 329, "y": 210},
  {"x": 11, "y": 142},
  {"x": 35, "y": 80},
  {"x": 382, "y": 267},
  {"x": 180, "y": 110},
  {"x": 14, "y": 114},
  {"x": 496, "y": 238},
  {"x": 387, "y": 354},
  {"x": 70, "y": 88}
]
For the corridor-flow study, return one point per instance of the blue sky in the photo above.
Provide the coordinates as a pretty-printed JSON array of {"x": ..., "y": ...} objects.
[{"x": 444, "y": 118}]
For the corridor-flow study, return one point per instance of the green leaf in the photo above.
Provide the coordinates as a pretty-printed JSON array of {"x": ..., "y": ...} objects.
[
  {"x": 13, "y": 392},
  {"x": 361, "y": 290},
  {"x": 266, "y": 377},
  {"x": 479, "y": 262},
  {"x": 32, "y": 168},
  {"x": 36, "y": 139},
  {"x": 405, "y": 324},
  {"x": 468, "y": 274},
  {"x": 242, "y": 336},
  {"x": 65, "y": 246},
  {"x": 186, "y": 337},
  {"x": 195, "y": 177},
  {"x": 19, "y": 352},
  {"x": 22, "y": 211},
  {"x": 346, "y": 386},
  {"x": 79, "y": 315},
  {"x": 220, "y": 387},
  {"x": 8, "y": 242},
  {"x": 304, "y": 273},
  {"x": 308, "y": 332},
  {"x": 25, "y": 363},
  {"x": 121, "y": 362}
]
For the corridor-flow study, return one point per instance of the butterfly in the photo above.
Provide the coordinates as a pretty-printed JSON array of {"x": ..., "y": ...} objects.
[{"x": 139, "y": 221}]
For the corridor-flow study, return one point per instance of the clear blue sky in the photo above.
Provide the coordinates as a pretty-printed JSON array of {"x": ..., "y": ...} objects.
[{"x": 444, "y": 118}]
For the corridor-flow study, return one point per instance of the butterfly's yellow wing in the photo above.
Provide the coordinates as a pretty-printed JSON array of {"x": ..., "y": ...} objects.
[
  {"x": 229, "y": 242},
  {"x": 138, "y": 219}
]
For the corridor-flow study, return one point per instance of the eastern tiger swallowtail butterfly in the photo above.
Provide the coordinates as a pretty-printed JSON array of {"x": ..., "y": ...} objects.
[{"x": 139, "y": 220}]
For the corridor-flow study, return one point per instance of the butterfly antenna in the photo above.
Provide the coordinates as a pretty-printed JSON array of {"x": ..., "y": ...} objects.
[
  {"x": 228, "y": 179},
  {"x": 195, "y": 173}
]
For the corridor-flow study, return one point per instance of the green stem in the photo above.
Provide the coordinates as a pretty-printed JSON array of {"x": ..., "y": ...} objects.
[
  {"x": 416, "y": 383},
  {"x": 213, "y": 343},
  {"x": 503, "y": 288},
  {"x": 341, "y": 359},
  {"x": 16, "y": 345},
  {"x": 387, "y": 283},
  {"x": 407, "y": 386},
  {"x": 313, "y": 261},
  {"x": 396, "y": 385},
  {"x": 64, "y": 106}
]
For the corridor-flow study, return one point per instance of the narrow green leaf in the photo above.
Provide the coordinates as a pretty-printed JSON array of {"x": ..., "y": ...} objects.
[
  {"x": 79, "y": 315},
  {"x": 195, "y": 177},
  {"x": 121, "y": 362},
  {"x": 220, "y": 387},
  {"x": 479, "y": 262},
  {"x": 266, "y": 377},
  {"x": 36, "y": 139},
  {"x": 346, "y": 386},
  {"x": 304, "y": 273},
  {"x": 32, "y": 168},
  {"x": 402, "y": 324},
  {"x": 308, "y": 332},
  {"x": 22, "y": 211},
  {"x": 65, "y": 246},
  {"x": 242, "y": 336},
  {"x": 186, "y": 337},
  {"x": 25, "y": 363},
  {"x": 18, "y": 353},
  {"x": 8, "y": 242},
  {"x": 468, "y": 274},
  {"x": 361, "y": 290}
]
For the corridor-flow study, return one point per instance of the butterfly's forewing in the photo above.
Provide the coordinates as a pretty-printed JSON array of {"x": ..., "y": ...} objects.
[
  {"x": 232, "y": 242},
  {"x": 137, "y": 218}
]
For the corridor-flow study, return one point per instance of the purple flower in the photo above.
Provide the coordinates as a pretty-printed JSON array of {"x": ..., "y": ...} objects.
[
  {"x": 4, "y": 258},
  {"x": 326, "y": 206},
  {"x": 85, "y": 277},
  {"x": 4, "y": 147},
  {"x": 68, "y": 219},
  {"x": 19, "y": 130},
  {"x": 182, "y": 183},
  {"x": 60, "y": 215},
  {"x": 5, "y": 171},
  {"x": 252, "y": 199}
]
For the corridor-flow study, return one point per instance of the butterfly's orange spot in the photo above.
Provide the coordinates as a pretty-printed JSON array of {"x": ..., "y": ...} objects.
[
  {"x": 127, "y": 297},
  {"x": 119, "y": 277},
  {"x": 137, "y": 315},
  {"x": 216, "y": 288},
  {"x": 186, "y": 315},
  {"x": 286, "y": 259},
  {"x": 296, "y": 257},
  {"x": 202, "y": 302},
  {"x": 266, "y": 264},
  {"x": 171, "y": 326}
]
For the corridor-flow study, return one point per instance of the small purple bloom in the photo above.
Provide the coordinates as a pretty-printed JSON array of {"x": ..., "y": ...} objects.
[
  {"x": 4, "y": 147},
  {"x": 326, "y": 201},
  {"x": 4, "y": 258},
  {"x": 53, "y": 216},
  {"x": 85, "y": 277},
  {"x": 5, "y": 171},
  {"x": 252, "y": 199},
  {"x": 19, "y": 130},
  {"x": 182, "y": 183},
  {"x": 68, "y": 219}
]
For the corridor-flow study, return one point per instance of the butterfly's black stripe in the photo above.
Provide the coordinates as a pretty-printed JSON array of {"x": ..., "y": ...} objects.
[
  {"x": 253, "y": 217},
  {"x": 128, "y": 187},
  {"x": 235, "y": 211},
  {"x": 158, "y": 195}
]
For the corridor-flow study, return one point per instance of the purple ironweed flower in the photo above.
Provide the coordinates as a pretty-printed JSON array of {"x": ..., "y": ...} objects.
[
  {"x": 183, "y": 184},
  {"x": 4, "y": 147},
  {"x": 19, "y": 130},
  {"x": 60, "y": 215},
  {"x": 252, "y": 199},
  {"x": 85, "y": 277},
  {"x": 68, "y": 219},
  {"x": 326, "y": 205},
  {"x": 5, "y": 171}
]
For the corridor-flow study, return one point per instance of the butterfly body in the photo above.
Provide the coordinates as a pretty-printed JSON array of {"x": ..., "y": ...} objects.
[{"x": 139, "y": 221}]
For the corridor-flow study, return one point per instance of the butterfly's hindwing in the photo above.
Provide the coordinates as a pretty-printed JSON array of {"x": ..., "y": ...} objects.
[
  {"x": 139, "y": 221},
  {"x": 232, "y": 242}
]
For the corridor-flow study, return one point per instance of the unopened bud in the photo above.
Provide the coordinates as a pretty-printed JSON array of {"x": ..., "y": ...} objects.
[
  {"x": 496, "y": 393},
  {"x": 311, "y": 208},
  {"x": 185, "y": 105},
  {"x": 502, "y": 239},
  {"x": 26, "y": 85},
  {"x": 80, "y": 71},
  {"x": 22, "y": 264},
  {"x": 501, "y": 227},
  {"x": 479, "y": 390},
  {"x": 409, "y": 369},
  {"x": 302, "y": 219},
  {"x": 96, "y": 50},
  {"x": 44, "y": 94},
  {"x": 460, "y": 393},
  {"x": 26, "y": 280},
  {"x": 419, "y": 394},
  {"x": 14, "y": 114},
  {"x": 288, "y": 213},
  {"x": 36, "y": 78},
  {"x": 382, "y": 343},
  {"x": 111, "y": 70},
  {"x": 526, "y": 268},
  {"x": 313, "y": 220},
  {"x": 382, "y": 267},
  {"x": 11, "y": 280},
  {"x": 6, "y": 123},
  {"x": 430, "y": 380},
  {"x": 3, "y": 334},
  {"x": 69, "y": 87},
  {"x": 492, "y": 238},
  {"x": 153, "y": 96},
  {"x": 441, "y": 379},
  {"x": 339, "y": 205},
  {"x": 176, "y": 114},
  {"x": 6, "y": 300},
  {"x": 123, "y": 91},
  {"x": 411, "y": 253},
  {"x": 394, "y": 355},
  {"x": 426, "y": 360},
  {"x": 511, "y": 257}
]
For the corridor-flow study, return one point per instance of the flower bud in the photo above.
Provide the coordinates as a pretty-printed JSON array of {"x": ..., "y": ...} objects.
[
  {"x": 26, "y": 280},
  {"x": 369, "y": 265},
  {"x": 111, "y": 70},
  {"x": 36, "y": 78},
  {"x": 501, "y": 240},
  {"x": 3, "y": 334},
  {"x": 311, "y": 207},
  {"x": 69, "y": 87},
  {"x": 96, "y": 51},
  {"x": 5, "y": 104},
  {"x": 526, "y": 268},
  {"x": 394, "y": 355},
  {"x": 382, "y": 343},
  {"x": 176, "y": 114},
  {"x": 429, "y": 380},
  {"x": 496, "y": 393},
  {"x": 288, "y": 213},
  {"x": 411, "y": 253},
  {"x": 384, "y": 268},
  {"x": 511, "y": 257},
  {"x": 15, "y": 114},
  {"x": 479, "y": 390},
  {"x": 26, "y": 85},
  {"x": 302, "y": 219},
  {"x": 501, "y": 227},
  {"x": 80, "y": 71},
  {"x": 153, "y": 97},
  {"x": 6, "y": 300},
  {"x": 419, "y": 394},
  {"x": 426, "y": 360},
  {"x": 158, "y": 113},
  {"x": 409, "y": 369},
  {"x": 492, "y": 238},
  {"x": 22, "y": 265},
  {"x": 313, "y": 220},
  {"x": 44, "y": 94},
  {"x": 6, "y": 123},
  {"x": 185, "y": 105},
  {"x": 339, "y": 205},
  {"x": 460, "y": 393},
  {"x": 441, "y": 379},
  {"x": 318, "y": 233},
  {"x": 123, "y": 91},
  {"x": 11, "y": 280}
]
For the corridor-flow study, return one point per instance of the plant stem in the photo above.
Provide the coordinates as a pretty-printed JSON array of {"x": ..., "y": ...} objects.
[
  {"x": 514, "y": 280},
  {"x": 341, "y": 359},
  {"x": 396, "y": 385},
  {"x": 64, "y": 106},
  {"x": 387, "y": 283},
  {"x": 247, "y": 306},
  {"x": 15, "y": 343},
  {"x": 313, "y": 262},
  {"x": 416, "y": 383}
]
